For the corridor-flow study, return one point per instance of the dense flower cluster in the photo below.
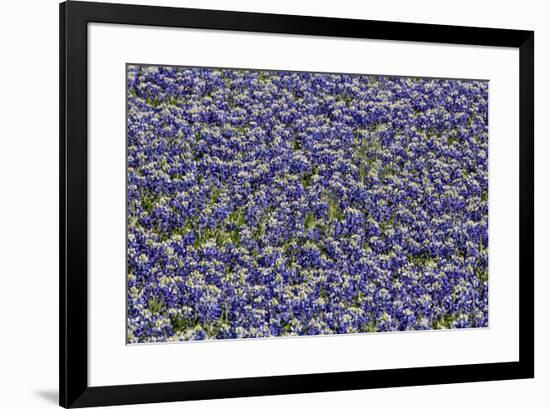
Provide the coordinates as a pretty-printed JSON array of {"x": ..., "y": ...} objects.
[{"x": 290, "y": 203}]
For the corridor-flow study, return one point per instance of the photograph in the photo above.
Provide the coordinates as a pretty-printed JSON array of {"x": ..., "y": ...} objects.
[
  {"x": 263, "y": 201},
  {"x": 266, "y": 203}
]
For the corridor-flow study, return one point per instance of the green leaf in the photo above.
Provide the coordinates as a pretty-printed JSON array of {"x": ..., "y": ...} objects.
[
  {"x": 154, "y": 305},
  {"x": 309, "y": 221}
]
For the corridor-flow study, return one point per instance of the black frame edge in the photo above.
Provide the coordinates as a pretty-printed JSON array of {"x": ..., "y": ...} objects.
[
  {"x": 527, "y": 204},
  {"x": 284, "y": 385},
  {"x": 73, "y": 364},
  {"x": 62, "y": 210},
  {"x": 73, "y": 204},
  {"x": 115, "y": 13}
]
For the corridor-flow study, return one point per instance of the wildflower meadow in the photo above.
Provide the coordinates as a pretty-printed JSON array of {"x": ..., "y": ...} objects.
[{"x": 270, "y": 203}]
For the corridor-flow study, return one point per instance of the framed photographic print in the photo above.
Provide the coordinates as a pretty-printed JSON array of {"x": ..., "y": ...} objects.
[{"x": 256, "y": 204}]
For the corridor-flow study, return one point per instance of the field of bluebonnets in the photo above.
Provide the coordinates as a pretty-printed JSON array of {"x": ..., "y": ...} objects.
[{"x": 291, "y": 203}]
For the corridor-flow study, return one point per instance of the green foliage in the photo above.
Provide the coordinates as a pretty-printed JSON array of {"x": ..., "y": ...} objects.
[
  {"x": 234, "y": 237},
  {"x": 214, "y": 195},
  {"x": 309, "y": 221},
  {"x": 221, "y": 236},
  {"x": 287, "y": 327},
  {"x": 262, "y": 77},
  {"x": 420, "y": 260},
  {"x": 362, "y": 171},
  {"x": 259, "y": 232},
  {"x": 386, "y": 171},
  {"x": 307, "y": 177},
  {"x": 385, "y": 225},
  {"x": 323, "y": 250},
  {"x": 180, "y": 324},
  {"x": 346, "y": 99},
  {"x": 484, "y": 196},
  {"x": 148, "y": 202},
  {"x": 451, "y": 140},
  {"x": 154, "y": 102},
  {"x": 155, "y": 305},
  {"x": 323, "y": 294},
  {"x": 237, "y": 217},
  {"x": 482, "y": 274},
  {"x": 445, "y": 322},
  {"x": 357, "y": 134},
  {"x": 370, "y": 327},
  {"x": 334, "y": 211}
]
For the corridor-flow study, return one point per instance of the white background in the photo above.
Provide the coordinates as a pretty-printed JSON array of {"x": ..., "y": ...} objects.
[
  {"x": 112, "y": 362},
  {"x": 29, "y": 177}
]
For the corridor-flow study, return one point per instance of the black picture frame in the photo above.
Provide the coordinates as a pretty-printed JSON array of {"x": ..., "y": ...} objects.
[{"x": 73, "y": 212}]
